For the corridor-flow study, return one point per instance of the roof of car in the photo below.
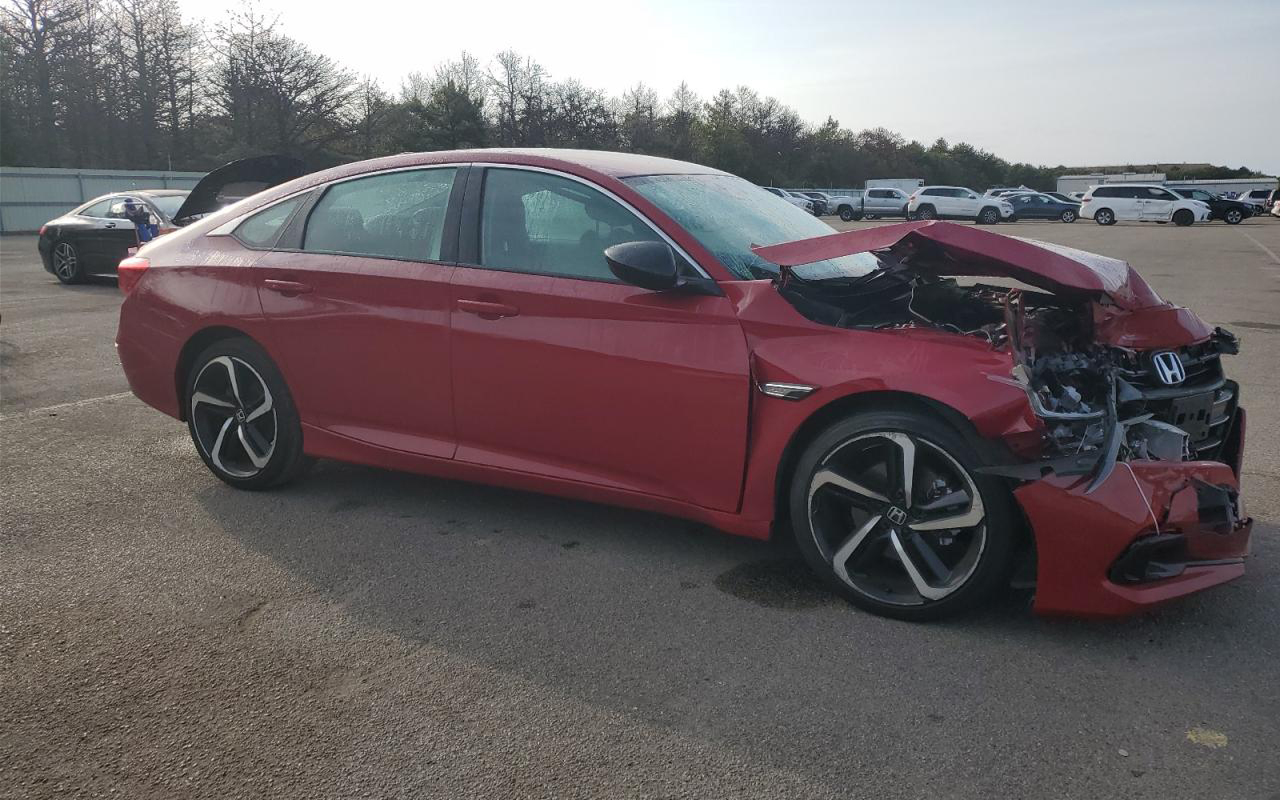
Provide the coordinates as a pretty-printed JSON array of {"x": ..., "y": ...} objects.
[{"x": 617, "y": 165}]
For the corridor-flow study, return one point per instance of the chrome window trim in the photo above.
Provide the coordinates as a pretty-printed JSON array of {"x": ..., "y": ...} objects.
[
  {"x": 227, "y": 227},
  {"x": 607, "y": 193}
]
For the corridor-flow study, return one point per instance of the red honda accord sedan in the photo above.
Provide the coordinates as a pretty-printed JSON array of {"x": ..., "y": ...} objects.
[{"x": 660, "y": 335}]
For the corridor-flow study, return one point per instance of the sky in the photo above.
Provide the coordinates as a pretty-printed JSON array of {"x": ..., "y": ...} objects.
[{"x": 1079, "y": 83}]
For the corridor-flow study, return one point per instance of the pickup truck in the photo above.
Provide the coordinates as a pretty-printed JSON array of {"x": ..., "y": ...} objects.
[{"x": 870, "y": 204}]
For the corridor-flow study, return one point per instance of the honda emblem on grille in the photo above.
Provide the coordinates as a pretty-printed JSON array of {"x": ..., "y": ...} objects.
[{"x": 1169, "y": 367}]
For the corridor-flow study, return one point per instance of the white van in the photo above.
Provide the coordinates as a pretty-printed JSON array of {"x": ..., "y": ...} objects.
[{"x": 1144, "y": 202}]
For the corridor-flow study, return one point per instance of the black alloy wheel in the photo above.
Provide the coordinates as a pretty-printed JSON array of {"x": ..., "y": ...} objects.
[
  {"x": 888, "y": 508},
  {"x": 241, "y": 416}
]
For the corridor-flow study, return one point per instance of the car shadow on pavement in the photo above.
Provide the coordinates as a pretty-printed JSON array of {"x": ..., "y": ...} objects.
[{"x": 658, "y": 617}]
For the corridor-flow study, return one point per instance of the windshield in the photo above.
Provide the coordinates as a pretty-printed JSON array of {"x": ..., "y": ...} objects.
[
  {"x": 727, "y": 215},
  {"x": 168, "y": 204}
]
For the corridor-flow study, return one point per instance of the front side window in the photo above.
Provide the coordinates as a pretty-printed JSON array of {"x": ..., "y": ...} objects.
[
  {"x": 263, "y": 228},
  {"x": 549, "y": 225},
  {"x": 727, "y": 216},
  {"x": 396, "y": 215}
]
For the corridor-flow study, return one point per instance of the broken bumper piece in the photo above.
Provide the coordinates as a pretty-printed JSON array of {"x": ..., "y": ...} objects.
[{"x": 1152, "y": 531}]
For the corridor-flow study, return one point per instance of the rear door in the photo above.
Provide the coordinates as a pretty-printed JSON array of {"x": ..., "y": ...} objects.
[
  {"x": 356, "y": 294},
  {"x": 561, "y": 370},
  {"x": 1125, "y": 201}
]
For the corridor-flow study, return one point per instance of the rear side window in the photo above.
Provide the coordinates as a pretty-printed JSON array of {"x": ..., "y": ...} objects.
[
  {"x": 263, "y": 229},
  {"x": 1105, "y": 191},
  {"x": 549, "y": 225},
  {"x": 935, "y": 192},
  {"x": 398, "y": 215},
  {"x": 98, "y": 209}
]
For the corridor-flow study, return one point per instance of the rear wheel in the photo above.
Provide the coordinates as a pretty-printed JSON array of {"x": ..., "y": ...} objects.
[
  {"x": 1068, "y": 216},
  {"x": 1182, "y": 218},
  {"x": 889, "y": 509},
  {"x": 1104, "y": 216},
  {"x": 241, "y": 416},
  {"x": 926, "y": 212},
  {"x": 67, "y": 266},
  {"x": 1233, "y": 216}
]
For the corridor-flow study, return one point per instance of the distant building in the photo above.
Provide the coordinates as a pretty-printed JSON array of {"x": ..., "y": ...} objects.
[
  {"x": 1081, "y": 183},
  {"x": 1222, "y": 185}
]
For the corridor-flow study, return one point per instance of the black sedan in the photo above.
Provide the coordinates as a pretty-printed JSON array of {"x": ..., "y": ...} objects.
[
  {"x": 93, "y": 238},
  {"x": 1232, "y": 212},
  {"x": 1033, "y": 205}
]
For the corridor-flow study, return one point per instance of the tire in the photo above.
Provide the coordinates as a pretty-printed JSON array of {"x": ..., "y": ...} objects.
[
  {"x": 1233, "y": 216},
  {"x": 1067, "y": 216},
  {"x": 1104, "y": 216},
  {"x": 846, "y": 213},
  {"x": 861, "y": 545},
  {"x": 926, "y": 212},
  {"x": 68, "y": 268},
  {"x": 234, "y": 422},
  {"x": 988, "y": 216},
  {"x": 1182, "y": 218}
]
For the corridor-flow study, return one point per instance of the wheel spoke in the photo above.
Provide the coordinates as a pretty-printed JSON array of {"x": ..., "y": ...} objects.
[
  {"x": 252, "y": 450},
  {"x": 231, "y": 377},
  {"x": 261, "y": 409},
  {"x": 913, "y": 572},
  {"x": 208, "y": 399},
  {"x": 825, "y": 478},
  {"x": 906, "y": 465},
  {"x": 965, "y": 519},
  {"x": 840, "y": 560},
  {"x": 215, "y": 452}
]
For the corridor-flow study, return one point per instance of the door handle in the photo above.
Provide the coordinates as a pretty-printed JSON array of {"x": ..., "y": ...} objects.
[
  {"x": 487, "y": 310},
  {"x": 109, "y": 225},
  {"x": 286, "y": 288}
]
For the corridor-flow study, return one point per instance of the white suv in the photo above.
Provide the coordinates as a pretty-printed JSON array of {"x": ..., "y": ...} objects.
[
  {"x": 956, "y": 202},
  {"x": 1142, "y": 202}
]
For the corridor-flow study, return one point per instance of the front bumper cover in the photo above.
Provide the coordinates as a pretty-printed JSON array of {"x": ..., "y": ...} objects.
[{"x": 1151, "y": 532}]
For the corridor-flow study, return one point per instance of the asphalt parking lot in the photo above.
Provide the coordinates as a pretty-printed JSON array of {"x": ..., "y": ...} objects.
[{"x": 366, "y": 633}]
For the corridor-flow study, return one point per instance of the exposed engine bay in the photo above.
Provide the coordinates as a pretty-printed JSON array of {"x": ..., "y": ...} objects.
[{"x": 1100, "y": 403}]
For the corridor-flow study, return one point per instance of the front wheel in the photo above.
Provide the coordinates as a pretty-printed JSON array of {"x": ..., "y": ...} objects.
[
  {"x": 67, "y": 266},
  {"x": 241, "y": 416},
  {"x": 1233, "y": 216},
  {"x": 1068, "y": 216},
  {"x": 989, "y": 216},
  {"x": 1182, "y": 218},
  {"x": 888, "y": 507}
]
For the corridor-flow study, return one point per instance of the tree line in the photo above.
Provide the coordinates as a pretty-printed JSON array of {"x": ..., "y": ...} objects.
[{"x": 132, "y": 84}]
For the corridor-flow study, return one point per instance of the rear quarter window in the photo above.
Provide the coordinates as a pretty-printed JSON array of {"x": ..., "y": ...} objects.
[{"x": 262, "y": 230}]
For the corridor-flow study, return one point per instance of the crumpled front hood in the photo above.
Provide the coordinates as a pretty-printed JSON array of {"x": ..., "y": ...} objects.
[{"x": 968, "y": 250}]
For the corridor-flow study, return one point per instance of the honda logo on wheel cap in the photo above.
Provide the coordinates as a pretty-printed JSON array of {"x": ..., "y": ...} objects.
[
  {"x": 896, "y": 515},
  {"x": 1169, "y": 367}
]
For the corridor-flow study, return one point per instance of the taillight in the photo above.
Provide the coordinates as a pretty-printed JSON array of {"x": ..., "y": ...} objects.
[
  {"x": 130, "y": 272},
  {"x": 165, "y": 229},
  {"x": 1084, "y": 200},
  {"x": 43, "y": 228}
]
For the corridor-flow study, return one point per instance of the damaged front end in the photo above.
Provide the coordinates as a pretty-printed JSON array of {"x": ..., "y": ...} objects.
[{"x": 1130, "y": 476}]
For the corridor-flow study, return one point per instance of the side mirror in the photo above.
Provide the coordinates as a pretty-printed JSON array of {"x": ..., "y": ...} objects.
[
  {"x": 649, "y": 265},
  {"x": 652, "y": 265}
]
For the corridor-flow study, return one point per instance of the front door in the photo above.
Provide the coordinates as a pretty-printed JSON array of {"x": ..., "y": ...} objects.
[
  {"x": 1157, "y": 204},
  {"x": 562, "y": 370},
  {"x": 358, "y": 310}
]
